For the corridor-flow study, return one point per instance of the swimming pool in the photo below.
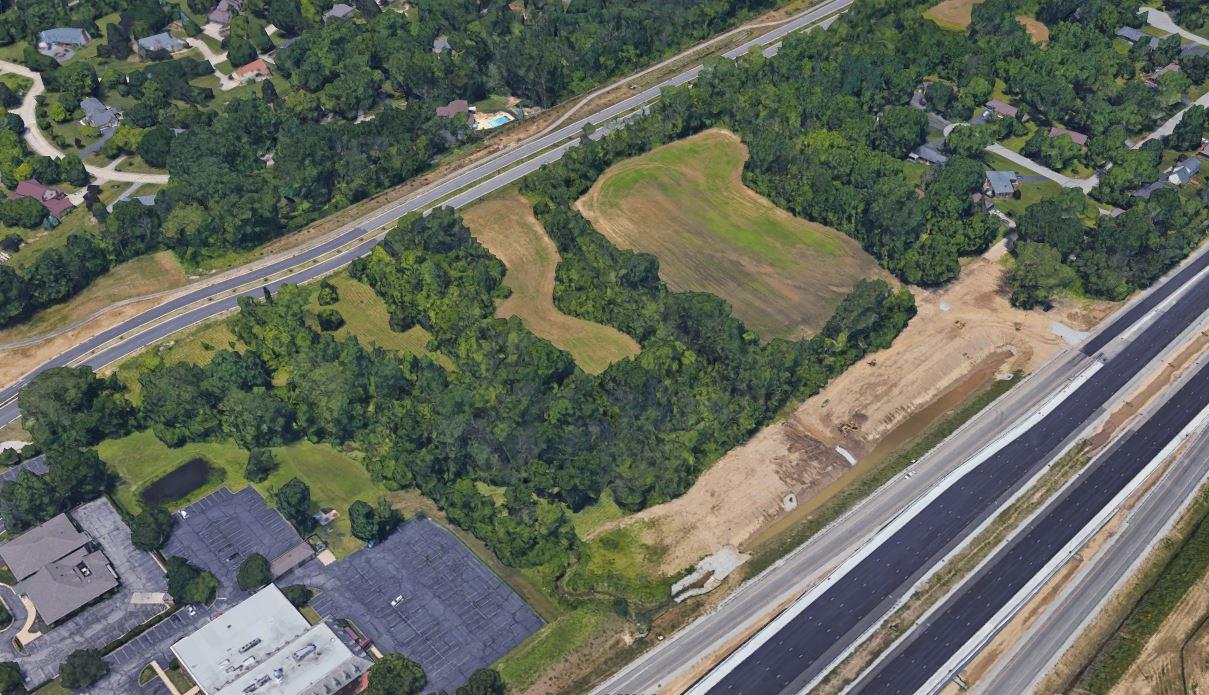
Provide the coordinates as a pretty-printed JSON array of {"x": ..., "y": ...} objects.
[{"x": 499, "y": 120}]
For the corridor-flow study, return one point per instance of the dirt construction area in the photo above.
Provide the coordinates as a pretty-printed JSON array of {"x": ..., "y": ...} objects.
[{"x": 964, "y": 336}]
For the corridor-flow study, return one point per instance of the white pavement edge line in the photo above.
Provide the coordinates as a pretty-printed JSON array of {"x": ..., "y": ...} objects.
[
  {"x": 890, "y": 528},
  {"x": 1022, "y": 597},
  {"x": 1158, "y": 361},
  {"x": 1085, "y": 573},
  {"x": 752, "y": 583}
]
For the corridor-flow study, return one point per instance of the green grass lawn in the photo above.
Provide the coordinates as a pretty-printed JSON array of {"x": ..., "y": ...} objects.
[
  {"x": 552, "y": 644},
  {"x": 336, "y": 479},
  {"x": 1030, "y": 192},
  {"x": 17, "y": 83},
  {"x": 914, "y": 172},
  {"x": 366, "y": 317},
  {"x": 685, "y": 202}
]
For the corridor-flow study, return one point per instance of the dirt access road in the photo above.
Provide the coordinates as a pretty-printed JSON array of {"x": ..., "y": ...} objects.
[{"x": 963, "y": 337}]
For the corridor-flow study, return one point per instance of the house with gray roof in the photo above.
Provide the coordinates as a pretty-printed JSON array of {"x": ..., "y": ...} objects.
[
  {"x": 1184, "y": 171},
  {"x": 161, "y": 42},
  {"x": 1135, "y": 35},
  {"x": 59, "y": 568},
  {"x": 440, "y": 44},
  {"x": 1001, "y": 184},
  {"x": 98, "y": 114},
  {"x": 339, "y": 11},
  {"x": 928, "y": 153},
  {"x": 63, "y": 36},
  {"x": 225, "y": 11}
]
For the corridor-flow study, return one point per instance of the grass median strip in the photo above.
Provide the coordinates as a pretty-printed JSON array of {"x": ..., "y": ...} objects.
[{"x": 1165, "y": 586}]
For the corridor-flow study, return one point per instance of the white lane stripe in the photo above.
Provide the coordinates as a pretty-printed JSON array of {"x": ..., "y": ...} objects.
[
  {"x": 1026, "y": 593},
  {"x": 889, "y": 529}
]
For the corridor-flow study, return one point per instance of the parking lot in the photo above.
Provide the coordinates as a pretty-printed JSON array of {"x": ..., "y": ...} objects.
[
  {"x": 137, "y": 600},
  {"x": 219, "y": 531},
  {"x": 423, "y": 594}
]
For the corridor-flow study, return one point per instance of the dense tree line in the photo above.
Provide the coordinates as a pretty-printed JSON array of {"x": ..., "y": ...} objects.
[{"x": 1112, "y": 259}]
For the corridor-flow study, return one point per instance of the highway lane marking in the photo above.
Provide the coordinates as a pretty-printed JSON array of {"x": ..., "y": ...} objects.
[
  {"x": 887, "y": 531},
  {"x": 1026, "y": 593}
]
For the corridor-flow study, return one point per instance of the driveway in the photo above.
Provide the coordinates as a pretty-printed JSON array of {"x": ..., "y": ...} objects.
[
  {"x": 39, "y": 144},
  {"x": 1161, "y": 20},
  {"x": 1061, "y": 179}
]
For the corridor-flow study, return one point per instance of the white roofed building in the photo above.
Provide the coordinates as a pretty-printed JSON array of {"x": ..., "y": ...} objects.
[{"x": 264, "y": 646}]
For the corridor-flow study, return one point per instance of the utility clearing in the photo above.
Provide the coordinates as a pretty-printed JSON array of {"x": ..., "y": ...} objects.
[
  {"x": 504, "y": 223},
  {"x": 686, "y": 203}
]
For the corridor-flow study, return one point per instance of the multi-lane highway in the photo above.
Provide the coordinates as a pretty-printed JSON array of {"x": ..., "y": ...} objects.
[
  {"x": 799, "y": 646},
  {"x": 923, "y": 662},
  {"x": 348, "y": 242}
]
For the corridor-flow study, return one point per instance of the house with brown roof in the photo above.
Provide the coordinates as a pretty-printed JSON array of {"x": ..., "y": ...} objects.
[
  {"x": 1078, "y": 138},
  {"x": 54, "y": 200},
  {"x": 453, "y": 108},
  {"x": 256, "y": 70},
  {"x": 1002, "y": 108}
]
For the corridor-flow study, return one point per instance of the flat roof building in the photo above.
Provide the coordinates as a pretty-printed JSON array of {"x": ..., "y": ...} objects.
[
  {"x": 58, "y": 568},
  {"x": 264, "y": 646}
]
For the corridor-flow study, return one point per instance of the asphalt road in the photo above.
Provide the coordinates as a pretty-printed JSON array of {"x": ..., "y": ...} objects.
[
  {"x": 914, "y": 662},
  {"x": 1032, "y": 655},
  {"x": 822, "y": 630},
  {"x": 678, "y": 656},
  {"x": 485, "y": 177}
]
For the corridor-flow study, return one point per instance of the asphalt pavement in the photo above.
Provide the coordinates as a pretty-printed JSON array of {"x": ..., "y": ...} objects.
[
  {"x": 822, "y": 630},
  {"x": 480, "y": 179},
  {"x": 913, "y": 663},
  {"x": 1030, "y": 657}
]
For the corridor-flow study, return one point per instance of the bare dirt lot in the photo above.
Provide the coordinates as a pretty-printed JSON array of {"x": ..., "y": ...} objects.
[
  {"x": 685, "y": 202},
  {"x": 965, "y": 329},
  {"x": 505, "y": 224}
]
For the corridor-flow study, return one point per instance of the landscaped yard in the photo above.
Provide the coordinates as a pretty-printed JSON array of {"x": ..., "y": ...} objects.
[
  {"x": 686, "y": 203},
  {"x": 336, "y": 479}
]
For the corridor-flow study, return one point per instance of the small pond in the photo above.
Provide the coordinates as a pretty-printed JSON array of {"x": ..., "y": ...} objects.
[{"x": 179, "y": 483}]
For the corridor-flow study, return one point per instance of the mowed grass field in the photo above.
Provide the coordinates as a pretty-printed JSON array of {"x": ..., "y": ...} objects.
[
  {"x": 505, "y": 224},
  {"x": 686, "y": 203}
]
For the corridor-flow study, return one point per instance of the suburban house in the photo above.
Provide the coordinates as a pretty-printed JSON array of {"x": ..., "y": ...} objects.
[
  {"x": 98, "y": 114},
  {"x": 63, "y": 36},
  {"x": 1193, "y": 50},
  {"x": 225, "y": 11},
  {"x": 60, "y": 43},
  {"x": 58, "y": 568},
  {"x": 1184, "y": 171},
  {"x": 161, "y": 42},
  {"x": 264, "y": 644},
  {"x": 1078, "y": 138},
  {"x": 1135, "y": 35},
  {"x": 928, "y": 153},
  {"x": 255, "y": 70},
  {"x": 1002, "y": 109},
  {"x": 440, "y": 44},
  {"x": 453, "y": 108},
  {"x": 339, "y": 11},
  {"x": 54, "y": 200},
  {"x": 1001, "y": 184}
]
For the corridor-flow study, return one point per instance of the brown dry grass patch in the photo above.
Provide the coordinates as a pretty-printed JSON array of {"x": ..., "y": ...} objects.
[
  {"x": 952, "y": 14},
  {"x": 141, "y": 276},
  {"x": 1037, "y": 31},
  {"x": 505, "y": 224},
  {"x": 685, "y": 202}
]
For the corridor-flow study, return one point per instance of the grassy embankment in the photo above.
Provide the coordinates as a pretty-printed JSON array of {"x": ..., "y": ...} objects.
[
  {"x": 686, "y": 203},
  {"x": 1165, "y": 589},
  {"x": 504, "y": 223}
]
